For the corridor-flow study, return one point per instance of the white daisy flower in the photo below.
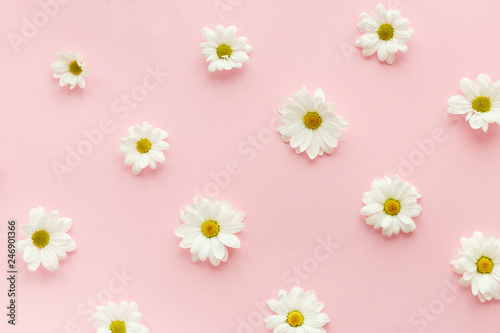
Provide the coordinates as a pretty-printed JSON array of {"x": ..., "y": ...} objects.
[
  {"x": 223, "y": 49},
  {"x": 121, "y": 318},
  {"x": 479, "y": 263},
  {"x": 296, "y": 312},
  {"x": 481, "y": 102},
  {"x": 390, "y": 204},
  {"x": 70, "y": 69},
  {"x": 309, "y": 123},
  {"x": 386, "y": 34},
  {"x": 46, "y": 240},
  {"x": 143, "y": 147},
  {"x": 209, "y": 226}
]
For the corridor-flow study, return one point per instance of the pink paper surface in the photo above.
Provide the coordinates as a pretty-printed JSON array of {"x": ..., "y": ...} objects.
[{"x": 224, "y": 122}]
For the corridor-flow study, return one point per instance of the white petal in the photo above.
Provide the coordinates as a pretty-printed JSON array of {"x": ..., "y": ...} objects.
[
  {"x": 476, "y": 121},
  {"x": 240, "y": 56},
  {"x": 49, "y": 259},
  {"x": 219, "y": 34},
  {"x": 382, "y": 51},
  {"x": 229, "y": 240},
  {"x": 217, "y": 248},
  {"x": 390, "y": 58},
  {"x": 230, "y": 35},
  {"x": 27, "y": 230},
  {"x": 469, "y": 88},
  {"x": 459, "y": 104}
]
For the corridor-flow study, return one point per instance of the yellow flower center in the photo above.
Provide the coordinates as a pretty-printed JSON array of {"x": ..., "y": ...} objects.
[
  {"x": 210, "y": 228},
  {"x": 481, "y": 104},
  {"x": 143, "y": 146},
  {"x": 392, "y": 207},
  {"x": 312, "y": 120},
  {"x": 40, "y": 238},
  {"x": 295, "y": 318},
  {"x": 224, "y": 51},
  {"x": 74, "y": 68},
  {"x": 385, "y": 31},
  {"x": 484, "y": 265},
  {"x": 118, "y": 326}
]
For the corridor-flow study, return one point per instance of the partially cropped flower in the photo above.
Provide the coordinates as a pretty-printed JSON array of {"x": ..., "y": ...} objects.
[
  {"x": 386, "y": 34},
  {"x": 144, "y": 147},
  {"x": 480, "y": 100},
  {"x": 391, "y": 205},
  {"x": 47, "y": 240},
  {"x": 223, "y": 49},
  {"x": 479, "y": 263},
  {"x": 296, "y": 312},
  {"x": 122, "y": 318},
  {"x": 310, "y": 124},
  {"x": 208, "y": 227},
  {"x": 70, "y": 69}
]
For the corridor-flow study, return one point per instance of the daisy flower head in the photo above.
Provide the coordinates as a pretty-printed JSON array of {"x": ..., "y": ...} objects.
[
  {"x": 119, "y": 318},
  {"x": 296, "y": 312},
  {"x": 391, "y": 204},
  {"x": 70, "y": 69},
  {"x": 143, "y": 147},
  {"x": 46, "y": 241},
  {"x": 386, "y": 33},
  {"x": 479, "y": 263},
  {"x": 208, "y": 227},
  {"x": 223, "y": 49},
  {"x": 310, "y": 124},
  {"x": 480, "y": 100}
]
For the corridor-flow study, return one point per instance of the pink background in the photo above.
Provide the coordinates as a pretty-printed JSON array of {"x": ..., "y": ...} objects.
[{"x": 121, "y": 222}]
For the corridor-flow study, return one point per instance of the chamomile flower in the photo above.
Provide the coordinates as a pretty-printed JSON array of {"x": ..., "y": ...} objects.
[
  {"x": 309, "y": 123},
  {"x": 391, "y": 204},
  {"x": 70, "y": 69},
  {"x": 223, "y": 49},
  {"x": 122, "y": 318},
  {"x": 386, "y": 34},
  {"x": 46, "y": 241},
  {"x": 143, "y": 147},
  {"x": 208, "y": 227},
  {"x": 296, "y": 312},
  {"x": 479, "y": 263},
  {"x": 480, "y": 100}
]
